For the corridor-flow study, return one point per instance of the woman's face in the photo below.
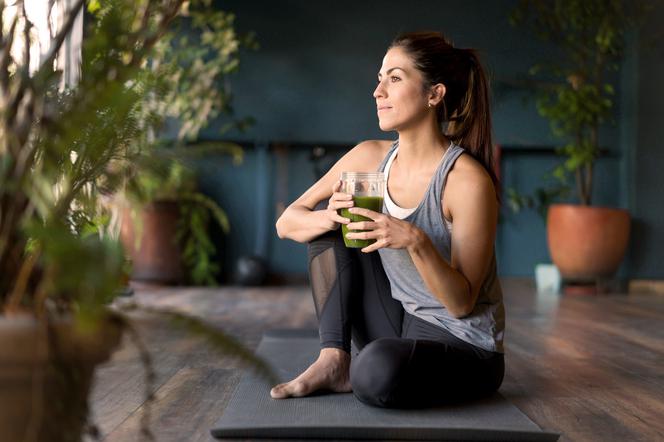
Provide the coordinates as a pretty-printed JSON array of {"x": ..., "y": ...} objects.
[{"x": 400, "y": 97}]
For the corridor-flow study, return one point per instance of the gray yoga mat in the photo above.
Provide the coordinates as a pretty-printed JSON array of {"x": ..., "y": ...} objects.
[{"x": 252, "y": 413}]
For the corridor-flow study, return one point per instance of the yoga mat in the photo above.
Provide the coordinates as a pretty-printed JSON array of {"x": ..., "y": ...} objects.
[{"x": 252, "y": 413}]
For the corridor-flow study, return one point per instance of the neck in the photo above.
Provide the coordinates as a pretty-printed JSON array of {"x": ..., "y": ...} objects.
[{"x": 421, "y": 147}]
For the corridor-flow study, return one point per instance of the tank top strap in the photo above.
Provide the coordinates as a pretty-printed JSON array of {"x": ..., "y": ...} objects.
[
  {"x": 381, "y": 167},
  {"x": 438, "y": 185}
]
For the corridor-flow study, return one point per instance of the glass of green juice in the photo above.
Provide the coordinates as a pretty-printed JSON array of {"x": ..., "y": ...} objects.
[{"x": 367, "y": 189}]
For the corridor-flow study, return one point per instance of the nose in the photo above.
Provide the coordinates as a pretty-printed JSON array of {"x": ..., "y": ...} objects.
[{"x": 379, "y": 91}]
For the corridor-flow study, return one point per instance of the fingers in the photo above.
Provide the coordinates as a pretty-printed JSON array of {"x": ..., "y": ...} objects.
[
  {"x": 363, "y": 225},
  {"x": 374, "y": 234},
  {"x": 335, "y": 205},
  {"x": 340, "y": 219},
  {"x": 373, "y": 247},
  {"x": 366, "y": 213},
  {"x": 342, "y": 199},
  {"x": 339, "y": 200},
  {"x": 337, "y": 195}
]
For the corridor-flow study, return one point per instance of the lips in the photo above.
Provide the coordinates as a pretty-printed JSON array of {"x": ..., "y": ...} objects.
[{"x": 381, "y": 108}]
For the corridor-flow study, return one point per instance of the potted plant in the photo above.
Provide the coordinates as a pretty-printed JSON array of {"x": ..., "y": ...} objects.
[
  {"x": 165, "y": 222},
  {"x": 586, "y": 242},
  {"x": 60, "y": 152}
]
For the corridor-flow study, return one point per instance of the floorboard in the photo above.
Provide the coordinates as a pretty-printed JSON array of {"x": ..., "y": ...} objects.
[{"x": 588, "y": 367}]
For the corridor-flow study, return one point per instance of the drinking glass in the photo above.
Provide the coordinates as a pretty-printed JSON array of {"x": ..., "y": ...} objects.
[{"x": 367, "y": 189}]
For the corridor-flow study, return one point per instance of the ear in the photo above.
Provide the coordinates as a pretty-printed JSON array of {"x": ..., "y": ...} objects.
[{"x": 436, "y": 94}]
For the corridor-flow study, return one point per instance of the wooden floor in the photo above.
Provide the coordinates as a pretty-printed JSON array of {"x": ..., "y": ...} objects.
[{"x": 590, "y": 368}]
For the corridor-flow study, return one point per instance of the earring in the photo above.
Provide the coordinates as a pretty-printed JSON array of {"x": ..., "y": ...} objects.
[{"x": 429, "y": 104}]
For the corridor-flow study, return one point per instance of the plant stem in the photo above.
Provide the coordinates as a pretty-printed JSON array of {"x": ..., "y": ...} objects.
[
  {"x": 594, "y": 139},
  {"x": 24, "y": 273}
]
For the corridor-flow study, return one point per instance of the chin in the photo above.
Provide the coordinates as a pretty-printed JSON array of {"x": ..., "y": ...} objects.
[{"x": 386, "y": 127}]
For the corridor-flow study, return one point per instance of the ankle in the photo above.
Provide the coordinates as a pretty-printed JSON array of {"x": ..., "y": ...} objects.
[{"x": 335, "y": 354}]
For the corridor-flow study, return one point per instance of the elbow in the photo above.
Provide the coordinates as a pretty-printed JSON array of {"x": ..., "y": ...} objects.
[
  {"x": 463, "y": 308},
  {"x": 466, "y": 302},
  {"x": 283, "y": 225},
  {"x": 279, "y": 225},
  {"x": 461, "y": 311}
]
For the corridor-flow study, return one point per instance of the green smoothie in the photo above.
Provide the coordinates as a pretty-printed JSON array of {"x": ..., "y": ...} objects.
[{"x": 374, "y": 203}]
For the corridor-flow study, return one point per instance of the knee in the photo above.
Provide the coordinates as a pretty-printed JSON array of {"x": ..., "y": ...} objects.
[
  {"x": 332, "y": 239},
  {"x": 378, "y": 370}
]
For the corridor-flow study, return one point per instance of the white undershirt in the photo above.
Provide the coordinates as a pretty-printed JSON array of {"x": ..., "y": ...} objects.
[{"x": 392, "y": 208}]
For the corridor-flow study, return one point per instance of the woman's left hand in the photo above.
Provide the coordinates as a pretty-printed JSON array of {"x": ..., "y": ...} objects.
[{"x": 389, "y": 232}]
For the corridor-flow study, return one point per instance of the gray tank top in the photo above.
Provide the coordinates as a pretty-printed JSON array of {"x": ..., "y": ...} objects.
[{"x": 485, "y": 326}]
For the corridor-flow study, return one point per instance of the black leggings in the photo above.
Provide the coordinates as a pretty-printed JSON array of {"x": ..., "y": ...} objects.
[{"x": 404, "y": 361}]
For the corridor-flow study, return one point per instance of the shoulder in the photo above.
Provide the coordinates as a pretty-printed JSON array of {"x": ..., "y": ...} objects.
[
  {"x": 368, "y": 154},
  {"x": 468, "y": 173},
  {"x": 364, "y": 157},
  {"x": 468, "y": 180},
  {"x": 376, "y": 147}
]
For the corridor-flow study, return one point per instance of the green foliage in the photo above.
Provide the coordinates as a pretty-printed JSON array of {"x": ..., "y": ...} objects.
[
  {"x": 63, "y": 153},
  {"x": 187, "y": 79},
  {"x": 62, "y": 150},
  {"x": 98, "y": 263},
  {"x": 197, "y": 248},
  {"x": 576, "y": 94},
  {"x": 168, "y": 175},
  {"x": 192, "y": 60},
  {"x": 539, "y": 201}
]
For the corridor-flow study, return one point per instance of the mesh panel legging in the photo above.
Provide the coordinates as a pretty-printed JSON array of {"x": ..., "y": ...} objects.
[{"x": 403, "y": 361}]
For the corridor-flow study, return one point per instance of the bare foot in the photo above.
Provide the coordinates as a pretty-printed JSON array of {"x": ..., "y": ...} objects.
[{"x": 329, "y": 372}]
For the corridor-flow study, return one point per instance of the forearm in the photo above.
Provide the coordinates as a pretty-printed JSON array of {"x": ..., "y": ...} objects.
[
  {"x": 448, "y": 285},
  {"x": 300, "y": 224}
]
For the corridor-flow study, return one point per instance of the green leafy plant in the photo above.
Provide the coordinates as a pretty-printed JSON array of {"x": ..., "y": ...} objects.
[
  {"x": 576, "y": 90},
  {"x": 62, "y": 153},
  {"x": 173, "y": 178},
  {"x": 187, "y": 75},
  {"x": 538, "y": 201}
]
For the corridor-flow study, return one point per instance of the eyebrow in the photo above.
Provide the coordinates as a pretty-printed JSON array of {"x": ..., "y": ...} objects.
[{"x": 390, "y": 70}]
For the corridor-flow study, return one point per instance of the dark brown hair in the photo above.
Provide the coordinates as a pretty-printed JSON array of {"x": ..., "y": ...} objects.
[{"x": 465, "y": 109}]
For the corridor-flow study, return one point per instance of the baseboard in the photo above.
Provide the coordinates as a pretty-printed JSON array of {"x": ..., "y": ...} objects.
[{"x": 646, "y": 286}]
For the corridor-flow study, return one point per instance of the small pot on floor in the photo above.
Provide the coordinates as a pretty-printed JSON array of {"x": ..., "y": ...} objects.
[{"x": 547, "y": 278}]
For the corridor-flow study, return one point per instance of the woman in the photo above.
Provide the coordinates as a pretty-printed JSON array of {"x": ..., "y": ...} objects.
[{"x": 426, "y": 311}]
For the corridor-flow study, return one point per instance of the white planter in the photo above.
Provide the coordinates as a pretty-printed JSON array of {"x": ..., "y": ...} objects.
[{"x": 547, "y": 279}]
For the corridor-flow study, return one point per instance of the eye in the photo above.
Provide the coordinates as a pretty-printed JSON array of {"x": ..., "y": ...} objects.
[{"x": 394, "y": 79}]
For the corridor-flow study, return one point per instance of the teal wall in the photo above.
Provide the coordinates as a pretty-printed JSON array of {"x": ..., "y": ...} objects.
[
  {"x": 311, "y": 82},
  {"x": 644, "y": 134}
]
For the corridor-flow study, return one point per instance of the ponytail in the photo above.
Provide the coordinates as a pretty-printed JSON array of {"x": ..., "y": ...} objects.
[
  {"x": 465, "y": 112},
  {"x": 470, "y": 123}
]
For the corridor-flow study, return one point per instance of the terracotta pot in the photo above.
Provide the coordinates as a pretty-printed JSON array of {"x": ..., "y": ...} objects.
[
  {"x": 45, "y": 378},
  {"x": 156, "y": 256},
  {"x": 587, "y": 243}
]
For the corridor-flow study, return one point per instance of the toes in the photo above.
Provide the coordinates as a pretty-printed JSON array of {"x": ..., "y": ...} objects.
[
  {"x": 299, "y": 389},
  {"x": 279, "y": 391},
  {"x": 290, "y": 389}
]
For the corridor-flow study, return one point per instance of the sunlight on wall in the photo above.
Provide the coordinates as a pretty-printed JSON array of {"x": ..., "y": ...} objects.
[{"x": 44, "y": 23}]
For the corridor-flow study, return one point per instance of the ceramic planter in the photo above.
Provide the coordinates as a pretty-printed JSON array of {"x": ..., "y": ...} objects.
[
  {"x": 587, "y": 243},
  {"x": 45, "y": 378},
  {"x": 156, "y": 256}
]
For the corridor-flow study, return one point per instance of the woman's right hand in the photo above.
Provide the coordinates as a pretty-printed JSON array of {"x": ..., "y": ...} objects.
[{"x": 338, "y": 200}]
